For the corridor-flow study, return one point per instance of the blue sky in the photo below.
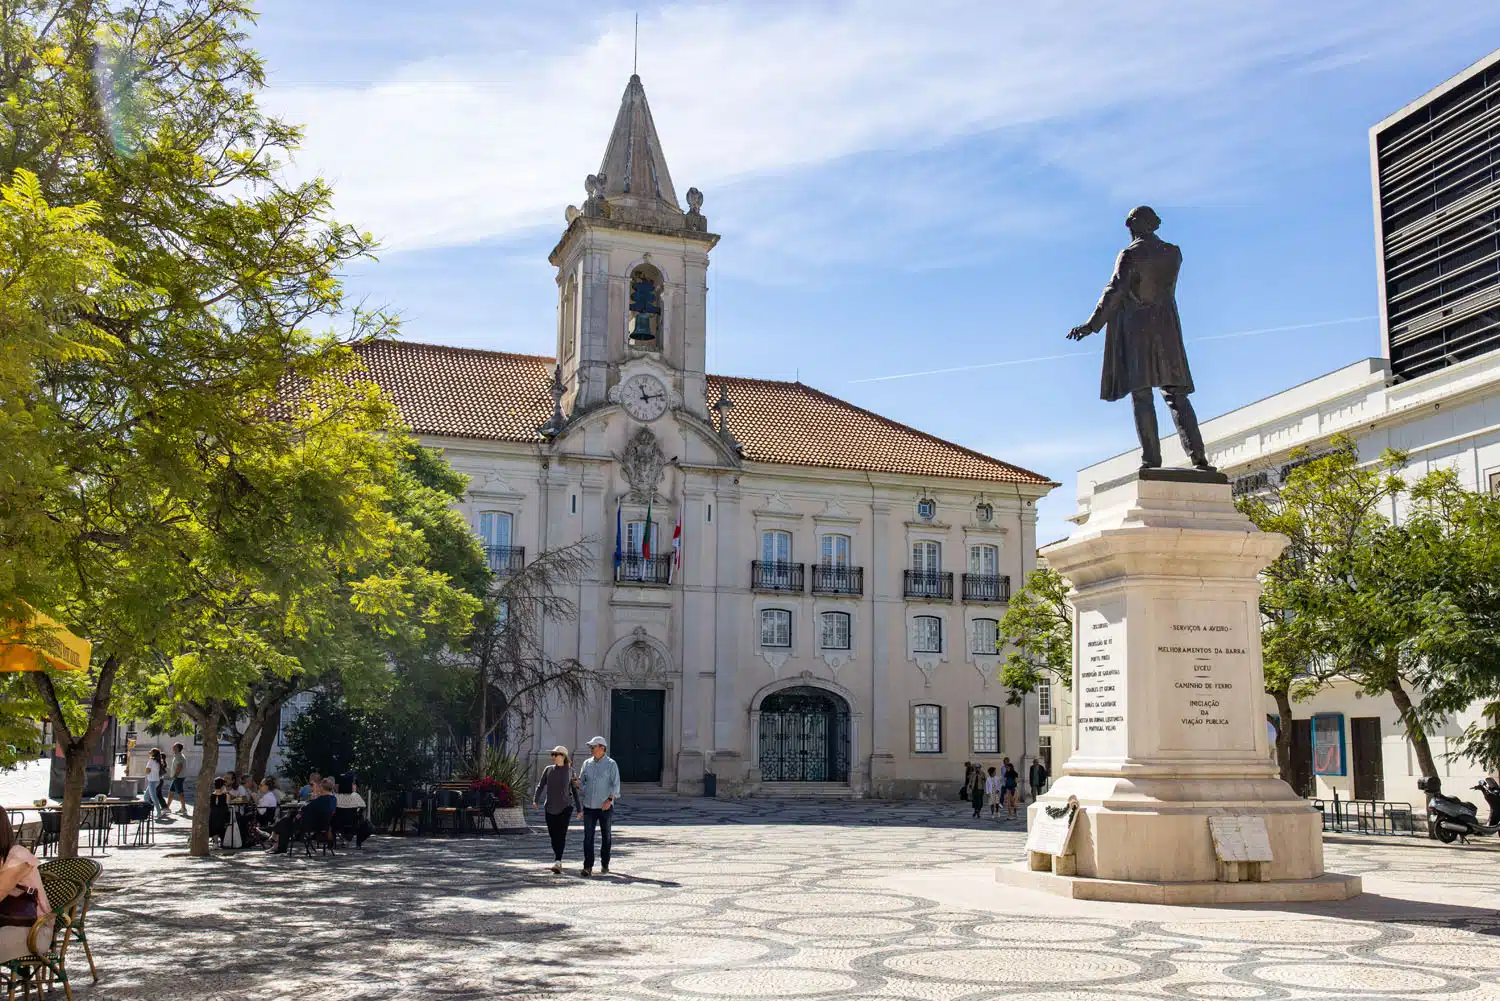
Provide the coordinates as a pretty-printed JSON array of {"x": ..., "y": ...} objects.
[{"x": 900, "y": 187}]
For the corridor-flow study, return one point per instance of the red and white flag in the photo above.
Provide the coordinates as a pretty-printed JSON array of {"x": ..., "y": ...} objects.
[{"x": 677, "y": 542}]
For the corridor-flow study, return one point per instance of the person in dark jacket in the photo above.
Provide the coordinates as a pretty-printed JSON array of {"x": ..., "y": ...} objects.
[
  {"x": 316, "y": 815},
  {"x": 976, "y": 790},
  {"x": 1143, "y": 346},
  {"x": 557, "y": 793}
]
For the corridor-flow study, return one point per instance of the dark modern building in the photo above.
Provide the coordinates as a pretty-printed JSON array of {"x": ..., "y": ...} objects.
[{"x": 1436, "y": 173}]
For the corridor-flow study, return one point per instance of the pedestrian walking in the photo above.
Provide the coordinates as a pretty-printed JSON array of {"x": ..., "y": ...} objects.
[
  {"x": 1009, "y": 779},
  {"x": 598, "y": 789},
  {"x": 177, "y": 773},
  {"x": 557, "y": 793},
  {"x": 992, "y": 792},
  {"x": 963, "y": 792},
  {"x": 976, "y": 789},
  {"x": 1037, "y": 775},
  {"x": 154, "y": 770}
]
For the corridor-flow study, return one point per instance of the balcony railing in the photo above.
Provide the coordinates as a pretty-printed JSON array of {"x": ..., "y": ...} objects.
[
  {"x": 653, "y": 571},
  {"x": 986, "y": 587},
  {"x": 505, "y": 559},
  {"x": 838, "y": 580},
  {"x": 768, "y": 576},
  {"x": 927, "y": 584}
]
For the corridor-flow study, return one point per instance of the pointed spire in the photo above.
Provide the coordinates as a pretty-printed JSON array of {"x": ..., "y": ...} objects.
[{"x": 633, "y": 163}]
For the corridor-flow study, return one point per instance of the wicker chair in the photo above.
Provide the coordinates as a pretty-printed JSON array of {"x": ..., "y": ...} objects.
[
  {"x": 78, "y": 870},
  {"x": 48, "y": 960}
]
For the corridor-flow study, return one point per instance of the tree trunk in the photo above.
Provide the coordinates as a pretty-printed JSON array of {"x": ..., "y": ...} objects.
[
  {"x": 76, "y": 749},
  {"x": 244, "y": 744},
  {"x": 1284, "y": 737},
  {"x": 76, "y": 757},
  {"x": 1414, "y": 729},
  {"x": 261, "y": 757},
  {"x": 198, "y": 839}
]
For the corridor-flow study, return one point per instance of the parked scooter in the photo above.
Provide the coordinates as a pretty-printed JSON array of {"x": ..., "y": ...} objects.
[
  {"x": 1490, "y": 789},
  {"x": 1451, "y": 819}
]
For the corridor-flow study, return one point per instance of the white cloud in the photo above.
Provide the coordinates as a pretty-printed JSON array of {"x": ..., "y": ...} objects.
[{"x": 457, "y": 148}]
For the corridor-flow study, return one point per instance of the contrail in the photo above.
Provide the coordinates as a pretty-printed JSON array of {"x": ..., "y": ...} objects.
[{"x": 1087, "y": 354}]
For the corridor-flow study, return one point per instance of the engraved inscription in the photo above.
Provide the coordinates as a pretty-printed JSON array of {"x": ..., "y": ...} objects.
[
  {"x": 1203, "y": 659},
  {"x": 1101, "y": 680}
]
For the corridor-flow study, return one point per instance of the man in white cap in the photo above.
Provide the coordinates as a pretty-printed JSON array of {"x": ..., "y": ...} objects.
[{"x": 599, "y": 787}]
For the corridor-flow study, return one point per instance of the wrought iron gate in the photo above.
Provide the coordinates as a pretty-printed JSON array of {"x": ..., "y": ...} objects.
[{"x": 804, "y": 736}]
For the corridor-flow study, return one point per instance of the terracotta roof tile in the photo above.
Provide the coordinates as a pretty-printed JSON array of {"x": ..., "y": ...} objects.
[{"x": 495, "y": 395}]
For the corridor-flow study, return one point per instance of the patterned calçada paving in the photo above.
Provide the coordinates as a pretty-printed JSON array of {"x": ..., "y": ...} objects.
[{"x": 740, "y": 899}]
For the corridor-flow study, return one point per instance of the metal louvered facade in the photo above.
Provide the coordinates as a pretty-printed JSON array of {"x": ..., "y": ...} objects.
[{"x": 1436, "y": 170}]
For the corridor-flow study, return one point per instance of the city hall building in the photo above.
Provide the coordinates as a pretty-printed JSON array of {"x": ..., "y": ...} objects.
[{"x": 788, "y": 592}]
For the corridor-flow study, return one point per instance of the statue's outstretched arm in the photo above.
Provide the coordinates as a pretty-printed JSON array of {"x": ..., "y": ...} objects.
[{"x": 1109, "y": 302}]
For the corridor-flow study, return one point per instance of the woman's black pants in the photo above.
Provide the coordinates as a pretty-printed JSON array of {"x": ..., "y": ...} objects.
[{"x": 557, "y": 830}]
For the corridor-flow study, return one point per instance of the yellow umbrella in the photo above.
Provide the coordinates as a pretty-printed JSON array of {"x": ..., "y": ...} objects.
[{"x": 31, "y": 646}]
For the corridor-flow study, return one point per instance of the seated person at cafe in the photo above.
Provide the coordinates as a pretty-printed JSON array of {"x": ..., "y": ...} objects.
[
  {"x": 218, "y": 811},
  {"x": 349, "y": 799},
  {"x": 312, "y": 788},
  {"x": 268, "y": 801},
  {"x": 316, "y": 815}
]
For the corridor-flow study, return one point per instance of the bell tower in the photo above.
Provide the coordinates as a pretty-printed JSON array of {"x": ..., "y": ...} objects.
[{"x": 632, "y": 270}]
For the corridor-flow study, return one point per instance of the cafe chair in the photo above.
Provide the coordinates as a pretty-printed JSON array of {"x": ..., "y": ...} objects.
[
  {"x": 346, "y": 824},
  {"x": 449, "y": 812},
  {"x": 410, "y": 808},
  {"x": 322, "y": 836},
  {"x": 84, "y": 871},
  {"x": 47, "y": 962}
]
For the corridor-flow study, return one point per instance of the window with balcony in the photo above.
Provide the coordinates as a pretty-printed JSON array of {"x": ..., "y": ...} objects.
[
  {"x": 775, "y": 627},
  {"x": 984, "y": 636},
  {"x": 984, "y": 582},
  {"x": 835, "y": 631},
  {"x": 834, "y": 573},
  {"x": 926, "y": 578},
  {"x": 643, "y": 563},
  {"x": 926, "y": 634},
  {"x": 775, "y": 571},
  {"x": 495, "y": 536},
  {"x": 984, "y": 729},
  {"x": 927, "y": 729}
]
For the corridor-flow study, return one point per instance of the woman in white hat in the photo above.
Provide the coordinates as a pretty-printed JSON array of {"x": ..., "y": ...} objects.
[{"x": 558, "y": 793}]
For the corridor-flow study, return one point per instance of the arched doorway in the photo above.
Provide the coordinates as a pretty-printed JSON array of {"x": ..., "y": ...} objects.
[{"x": 804, "y": 736}]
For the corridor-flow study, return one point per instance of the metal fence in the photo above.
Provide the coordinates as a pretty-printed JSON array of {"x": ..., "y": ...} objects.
[{"x": 1370, "y": 816}]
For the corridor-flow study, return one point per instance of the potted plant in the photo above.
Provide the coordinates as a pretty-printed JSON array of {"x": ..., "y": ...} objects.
[{"x": 495, "y": 797}]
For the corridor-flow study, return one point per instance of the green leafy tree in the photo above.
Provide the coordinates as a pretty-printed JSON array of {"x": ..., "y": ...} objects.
[
  {"x": 1340, "y": 599},
  {"x": 1442, "y": 568},
  {"x": 191, "y": 521},
  {"x": 1038, "y": 627},
  {"x": 53, "y": 269},
  {"x": 1290, "y": 632}
]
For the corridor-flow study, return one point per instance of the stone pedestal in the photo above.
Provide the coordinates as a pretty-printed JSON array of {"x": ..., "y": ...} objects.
[{"x": 1169, "y": 719}]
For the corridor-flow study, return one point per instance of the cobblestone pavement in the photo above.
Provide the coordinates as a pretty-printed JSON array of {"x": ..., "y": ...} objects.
[{"x": 725, "y": 900}]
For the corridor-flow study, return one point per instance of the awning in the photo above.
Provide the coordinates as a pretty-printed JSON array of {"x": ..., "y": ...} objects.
[{"x": 41, "y": 643}]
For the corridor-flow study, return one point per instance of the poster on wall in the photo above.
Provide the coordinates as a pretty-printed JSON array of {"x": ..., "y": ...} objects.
[{"x": 1328, "y": 744}]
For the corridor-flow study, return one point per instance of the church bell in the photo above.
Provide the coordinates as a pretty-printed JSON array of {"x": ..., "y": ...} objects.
[{"x": 642, "y": 330}]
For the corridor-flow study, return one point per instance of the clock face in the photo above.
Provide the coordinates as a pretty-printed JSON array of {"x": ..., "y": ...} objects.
[{"x": 643, "y": 397}]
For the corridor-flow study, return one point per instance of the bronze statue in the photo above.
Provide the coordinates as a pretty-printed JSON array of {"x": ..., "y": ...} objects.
[{"x": 1143, "y": 340}]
